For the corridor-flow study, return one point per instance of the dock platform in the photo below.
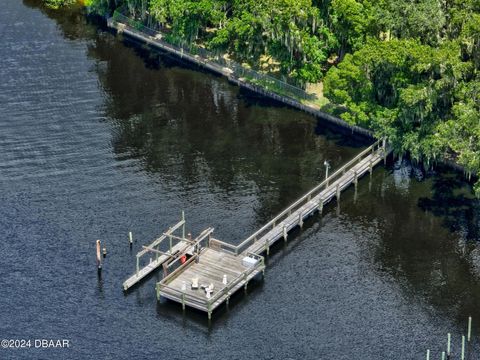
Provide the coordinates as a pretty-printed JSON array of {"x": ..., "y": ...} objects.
[{"x": 219, "y": 271}]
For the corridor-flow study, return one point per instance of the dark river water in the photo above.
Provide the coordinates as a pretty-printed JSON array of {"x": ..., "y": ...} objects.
[{"x": 99, "y": 137}]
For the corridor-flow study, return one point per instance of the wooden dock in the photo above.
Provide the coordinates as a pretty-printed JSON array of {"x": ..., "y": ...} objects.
[
  {"x": 158, "y": 258},
  {"x": 203, "y": 273}
]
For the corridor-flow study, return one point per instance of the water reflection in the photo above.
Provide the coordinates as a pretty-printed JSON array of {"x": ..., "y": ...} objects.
[
  {"x": 426, "y": 241},
  {"x": 186, "y": 128}
]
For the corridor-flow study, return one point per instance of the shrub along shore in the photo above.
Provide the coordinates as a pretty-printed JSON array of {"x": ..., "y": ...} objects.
[{"x": 407, "y": 70}]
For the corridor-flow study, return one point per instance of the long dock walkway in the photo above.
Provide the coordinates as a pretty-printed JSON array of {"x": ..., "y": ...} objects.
[{"x": 204, "y": 272}]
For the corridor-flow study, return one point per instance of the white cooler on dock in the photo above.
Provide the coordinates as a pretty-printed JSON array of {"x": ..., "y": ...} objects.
[{"x": 249, "y": 262}]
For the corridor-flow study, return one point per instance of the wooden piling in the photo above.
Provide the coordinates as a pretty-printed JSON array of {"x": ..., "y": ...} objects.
[
  {"x": 99, "y": 258},
  {"x": 449, "y": 343},
  {"x": 463, "y": 348},
  {"x": 183, "y": 226},
  {"x": 320, "y": 206},
  {"x": 469, "y": 330},
  {"x": 130, "y": 238}
]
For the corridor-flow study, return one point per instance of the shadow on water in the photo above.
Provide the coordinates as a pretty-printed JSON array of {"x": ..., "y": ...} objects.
[
  {"x": 426, "y": 243},
  {"x": 452, "y": 199}
]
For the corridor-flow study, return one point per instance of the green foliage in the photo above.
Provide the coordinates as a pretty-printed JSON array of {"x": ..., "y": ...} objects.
[
  {"x": 55, "y": 4},
  {"x": 291, "y": 33},
  {"x": 420, "y": 19}
]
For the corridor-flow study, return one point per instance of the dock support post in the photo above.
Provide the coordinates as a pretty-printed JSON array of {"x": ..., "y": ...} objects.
[
  {"x": 449, "y": 341},
  {"x": 130, "y": 239},
  {"x": 183, "y": 302},
  {"x": 355, "y": 177},
  {"x": 338, "y": 191},
  {"x": 99, "y": 259},
  {"x": 170, "y": 238},
  {"x": 300, "y": 220},
  {"x": 370, "y": 167},
  {"x": 320, "y": 206},
  {"x": 469, "y": 331},
  {"x": 463, "y": 347},
  {"x": 443, "y": 355},
  {"x": 183, "y": 226},
  {"x": 138, "y": 265},
  {"x": 428, "y": 354},
  {"x": 285, "y": 233},
  {"x": 267, "y": 247}
]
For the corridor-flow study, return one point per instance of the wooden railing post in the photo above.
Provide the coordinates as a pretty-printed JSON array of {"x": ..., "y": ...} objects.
[
  {"x": 300, "y": 219},
  {"x": 138, "y": 265}
]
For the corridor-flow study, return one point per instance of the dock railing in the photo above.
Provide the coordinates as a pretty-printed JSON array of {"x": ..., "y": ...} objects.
[
  {"x": 238, "y": 249},
  {"x": 194, "y": 246},
  {"x": 239, "y": 71},
  {"x": 377, "y": 146},
  {"x": 155, "y": 245}
]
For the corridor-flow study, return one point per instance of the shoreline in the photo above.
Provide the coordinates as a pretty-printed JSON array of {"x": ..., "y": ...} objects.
[{"x": 156, "y": 42}]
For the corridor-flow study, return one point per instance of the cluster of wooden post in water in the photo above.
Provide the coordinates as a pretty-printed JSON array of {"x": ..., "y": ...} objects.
[
  {"x": 204, "y": 272},
  {"x": 447, "y": 355}
]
